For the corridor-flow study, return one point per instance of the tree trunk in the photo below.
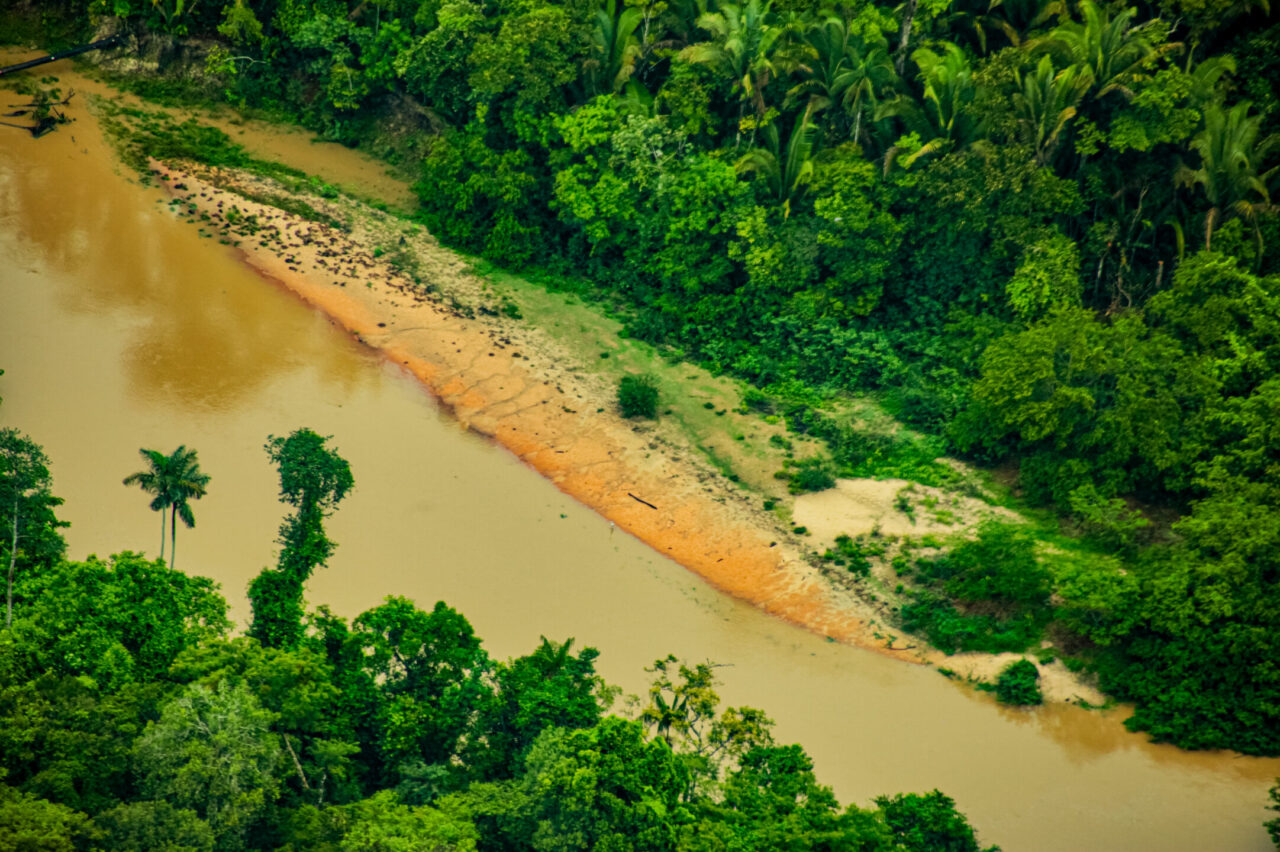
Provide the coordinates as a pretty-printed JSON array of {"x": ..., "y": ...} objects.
[
  {"x": 13, "y": 558},
  {"x": 162, "y": 535},
  {"x": 173, "y": 535},
  {"x": 1210, "y": 219},
  {"x": 904, "y": 35}
]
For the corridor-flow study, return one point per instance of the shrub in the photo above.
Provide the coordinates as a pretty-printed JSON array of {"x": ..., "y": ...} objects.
[
  {"x": 1018, "y": 684},
  {"x": 1000, "y": 565},
  {"x": 638, "y": 396},
  {"x": 815, "y": 474},
  {"x": 949, "y": 631},
  {"x": 1109, "y": 521}
]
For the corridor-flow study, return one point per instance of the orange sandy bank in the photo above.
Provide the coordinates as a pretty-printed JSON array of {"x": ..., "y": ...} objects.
[{"x": 508, "y": 381}]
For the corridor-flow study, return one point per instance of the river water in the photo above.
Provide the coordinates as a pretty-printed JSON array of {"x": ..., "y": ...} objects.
[{"x": 121, "y": 327}]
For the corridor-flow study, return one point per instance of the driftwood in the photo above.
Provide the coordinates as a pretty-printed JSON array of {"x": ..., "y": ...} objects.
[
  {"x": 638, "y": 500},
  {"x": 45, "y": 113}
]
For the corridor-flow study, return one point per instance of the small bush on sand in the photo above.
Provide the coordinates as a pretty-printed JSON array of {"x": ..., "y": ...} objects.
[
  {"x": 1018, "y": 684},
  {"x": 638, "y": 396}
]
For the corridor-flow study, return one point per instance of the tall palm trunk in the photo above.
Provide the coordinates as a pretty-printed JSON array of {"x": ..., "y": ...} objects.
[
  {"x": 904, "y": 36},
  {"x": 162, "y": 534},
  {"x": 173, "y": 534}
]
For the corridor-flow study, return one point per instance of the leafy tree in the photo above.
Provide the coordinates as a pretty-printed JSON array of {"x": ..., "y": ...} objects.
[
  {"x": 420, "y": 677},
  {"x": 69, "y": 740},
  {"x": 682, "y": 710},
  {"x": 1088, "y": 401},
  {"x": 381, "y": 822},
  {"x": 550, "y": 688},
  {"x": 297, "y": 685},
  {"x": 773, "y": 801},
  {"x": 26, "y": 509},
  {"x": 929, "y": 823},
  {"x": 603, "y": 787},
  {"x": 313, "y": 480},
  {"x": 30, "y": 824},
  {"x": 175, "y": 480},
  {"x": 145, "y": 826},
  {"x": 212, "y": 751},
  {"x": 537, "y": 51},
  {"x": 119, "y": 620}
]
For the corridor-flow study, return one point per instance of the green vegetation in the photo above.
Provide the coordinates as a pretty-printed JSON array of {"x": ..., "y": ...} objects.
[
  {"x": 638, "y": 396},
  {"x": 132, "y": 717},
  {"x": 1042, "y": 238},
  {"x": 1018, "y": 684},
  {"x": 987, "y": 594}
]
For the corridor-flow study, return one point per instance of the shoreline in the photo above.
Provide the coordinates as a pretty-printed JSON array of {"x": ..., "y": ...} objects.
[
  {"x": 512, "y": 383},
  {"x": 506, "y": 380}
]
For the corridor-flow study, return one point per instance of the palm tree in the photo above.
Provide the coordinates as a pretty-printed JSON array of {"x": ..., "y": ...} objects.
[
  {"x": 1231, "y": 158},
  {"x": 845, "y": 69},
  {"x": 943, "y": 118},
  {"x": 1047, "y": 103},
  {"x": 979, "y": 20},
  {"x": 1108, "y": 47},
  {"x": 741, "y": 50},
  {"x": 174, "y": 480},
  {"x": 786, "y": 170},
  {"x": 614, "y": 47}
]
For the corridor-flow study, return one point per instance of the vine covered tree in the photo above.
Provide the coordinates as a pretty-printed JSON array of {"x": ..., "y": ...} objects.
[{"x": 313, "y": 480}]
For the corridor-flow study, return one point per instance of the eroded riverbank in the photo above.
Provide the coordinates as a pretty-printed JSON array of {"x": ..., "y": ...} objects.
[{"x": 512, "y": 383}]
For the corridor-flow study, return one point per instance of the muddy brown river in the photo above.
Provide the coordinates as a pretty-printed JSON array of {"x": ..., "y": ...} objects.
[{"x": 121, "y": 327}]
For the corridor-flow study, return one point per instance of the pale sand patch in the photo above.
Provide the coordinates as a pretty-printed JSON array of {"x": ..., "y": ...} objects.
[{"x": 860, "y": 506}]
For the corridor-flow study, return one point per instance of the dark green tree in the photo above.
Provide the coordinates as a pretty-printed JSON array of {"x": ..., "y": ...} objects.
[
  {"x": 419, "y": 679},
  {"x": 929, "y": 823},
  {"x": 29, "y": 529},
  {"x": 139, "y": 826}
]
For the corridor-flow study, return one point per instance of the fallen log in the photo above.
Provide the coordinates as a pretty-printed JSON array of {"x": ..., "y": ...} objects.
[{"x": 101, "y": 44}]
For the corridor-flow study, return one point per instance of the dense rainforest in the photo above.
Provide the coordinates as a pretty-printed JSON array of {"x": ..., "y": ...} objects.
[
  {"x": 1039, "y": 232},
  {"x": 133, "y": 717}
]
